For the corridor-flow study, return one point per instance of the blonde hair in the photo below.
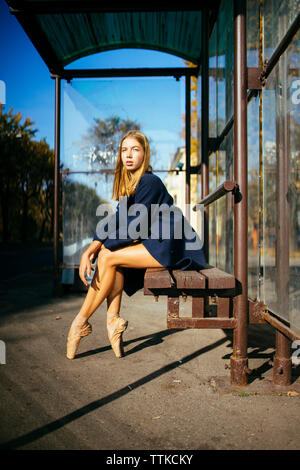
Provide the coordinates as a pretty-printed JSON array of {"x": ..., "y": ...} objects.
[{"x": 125, "y": 182}]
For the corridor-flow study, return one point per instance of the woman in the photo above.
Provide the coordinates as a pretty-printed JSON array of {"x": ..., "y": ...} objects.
[{"x": 124, "y": 252}]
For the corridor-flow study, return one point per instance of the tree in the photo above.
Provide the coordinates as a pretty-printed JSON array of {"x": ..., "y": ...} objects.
[
  {"x": 13, "y": 135},
  {"x": 26, "y": 180},
  {"x": 101, "y": 143}
]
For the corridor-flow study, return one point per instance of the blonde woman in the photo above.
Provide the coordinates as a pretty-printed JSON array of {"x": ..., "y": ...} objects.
[{"x": 122, "y": 257}]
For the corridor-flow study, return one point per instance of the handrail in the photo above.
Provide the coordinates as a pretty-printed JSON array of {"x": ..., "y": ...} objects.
[{"x": 226, "y": 187}]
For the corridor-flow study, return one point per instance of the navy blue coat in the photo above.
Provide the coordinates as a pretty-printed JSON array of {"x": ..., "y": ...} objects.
[{"x": 165, "y": 233}]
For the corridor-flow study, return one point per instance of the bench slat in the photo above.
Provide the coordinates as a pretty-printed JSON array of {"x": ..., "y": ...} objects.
[
  {"x": 158, "y": 278},
  {"x": 210, "y": 278},
  {"x": 189, "y": 279},
  {"x": 218, "y": 279}
]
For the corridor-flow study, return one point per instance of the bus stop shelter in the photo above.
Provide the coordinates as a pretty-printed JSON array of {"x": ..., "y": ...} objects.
[{"x": 244, "y": 56}]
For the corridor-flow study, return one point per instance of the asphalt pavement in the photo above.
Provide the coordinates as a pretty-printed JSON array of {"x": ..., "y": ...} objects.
[{"x": 171, "y": 390}]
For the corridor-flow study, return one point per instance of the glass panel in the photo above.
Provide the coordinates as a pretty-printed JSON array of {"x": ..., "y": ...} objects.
[
  {"x": 269, "y": 191},
  {"x": 195, "y": 156},
  {"x": 82, "y": 194},
  {"x": 253, "y": 198},
  {"x": 293, "y": 79},
  {"x": 199, "y": 130},
  {"x": 224, "y": 64},
  {"x": 225, "y": 206},
  {"x": 212, "y": 213},
  {"x": 221, "y": 70},
  {"x": 213, "y": 83},
  {"x": 278, "y": 16},
  {"x": 281, "y": 118},
  {"x": 221, "y": 211},
  {"x": 95, "y": 114},
  {"x": 252, "y": 33}
]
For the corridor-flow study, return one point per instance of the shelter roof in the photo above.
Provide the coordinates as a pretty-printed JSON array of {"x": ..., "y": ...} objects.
[{"x": 63, "y": 31}]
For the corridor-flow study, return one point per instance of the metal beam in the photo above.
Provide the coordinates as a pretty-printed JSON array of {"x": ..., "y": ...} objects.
[
  {"x": 56, "y": 202},
  {"x": 205, "y": 126},
  {"x": 187, "y": 145},
  {"x": 113, "y": 6},
  {"x": 176, "y": 72}
]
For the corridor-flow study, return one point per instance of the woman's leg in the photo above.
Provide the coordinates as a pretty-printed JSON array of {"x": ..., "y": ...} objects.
[
  {"x": 80, "y": 327},
  {"x": 115, "y": 296},
  {"x": 107, "y": 283}
]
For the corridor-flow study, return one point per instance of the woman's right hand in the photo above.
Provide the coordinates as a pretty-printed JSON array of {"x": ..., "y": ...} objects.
[{"x": 86, "y": 260}]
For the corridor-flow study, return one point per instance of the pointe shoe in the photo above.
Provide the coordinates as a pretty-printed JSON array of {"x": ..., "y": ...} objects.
[
  {"x": 115, "y": 328},
  {"x": 75, "y": 334}
]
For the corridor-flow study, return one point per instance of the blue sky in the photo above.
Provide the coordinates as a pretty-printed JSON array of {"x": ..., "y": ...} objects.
[{"x": 29, "y": 87}]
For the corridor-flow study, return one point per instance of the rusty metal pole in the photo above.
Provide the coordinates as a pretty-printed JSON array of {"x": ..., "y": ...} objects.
[
  {"x": 205, "y": 126},
  {"x": 239, "y": 360},
  {"x": 282, "y": 362},
  {"x": 56, "y": 218},
  {"x": 187, "y": 145}
]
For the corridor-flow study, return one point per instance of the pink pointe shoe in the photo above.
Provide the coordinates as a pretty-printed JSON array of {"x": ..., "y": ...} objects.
[
  {"x": 75, "y": 334},
  {"x": 115, "y": 328}
]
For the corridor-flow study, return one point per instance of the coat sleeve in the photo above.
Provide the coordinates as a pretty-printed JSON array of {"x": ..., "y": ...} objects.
[{"x": 148, "y": 191}]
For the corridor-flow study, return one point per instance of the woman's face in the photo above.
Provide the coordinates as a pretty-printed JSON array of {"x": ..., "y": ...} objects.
[{"x": 132, "y": 154}]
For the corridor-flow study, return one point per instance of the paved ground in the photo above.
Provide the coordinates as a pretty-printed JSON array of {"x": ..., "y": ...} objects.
[{"x": 170, "y": 391}]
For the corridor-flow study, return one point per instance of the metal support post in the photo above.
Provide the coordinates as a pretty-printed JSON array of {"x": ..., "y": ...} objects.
[
  {"x": 239, "y": 360},
  {"x": 56, "y": 202},
  {"x": 187, "y": 145},
  {"x": 205, "y": 125},
  {"x": 282, "y": 363}
]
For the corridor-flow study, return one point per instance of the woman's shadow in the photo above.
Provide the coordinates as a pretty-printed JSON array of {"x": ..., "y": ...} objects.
[{"x": 148, "y": 341}]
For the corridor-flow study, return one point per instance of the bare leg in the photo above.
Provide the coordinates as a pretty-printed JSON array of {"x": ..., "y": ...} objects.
[
  {"x": 80, "y": 326},
  {"x": 108, "y": 284},
  {"x": 115, "y": 296}
]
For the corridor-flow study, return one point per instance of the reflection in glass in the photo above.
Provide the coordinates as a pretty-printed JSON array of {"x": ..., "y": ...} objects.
[
  {"x": 253, "y": 199},
  {"x": 278, "y": 15},
  {"x": 281, "y": 245},
  {"x": 96, "y": 113},
  {"x": 82, "y": 194},
  {"x": 253, "y": 33}
]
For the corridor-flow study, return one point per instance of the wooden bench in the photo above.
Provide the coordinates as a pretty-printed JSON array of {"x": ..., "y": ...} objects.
[{"x": 211, "y": 290}]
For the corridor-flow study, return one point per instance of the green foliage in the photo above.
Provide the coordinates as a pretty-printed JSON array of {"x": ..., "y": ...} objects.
[
  {"x": 26, "y": 181},
  {"x": 79, "y": 211}
]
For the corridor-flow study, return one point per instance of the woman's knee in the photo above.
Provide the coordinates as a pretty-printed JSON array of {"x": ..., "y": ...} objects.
[{"x": 105, "y": 257}]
